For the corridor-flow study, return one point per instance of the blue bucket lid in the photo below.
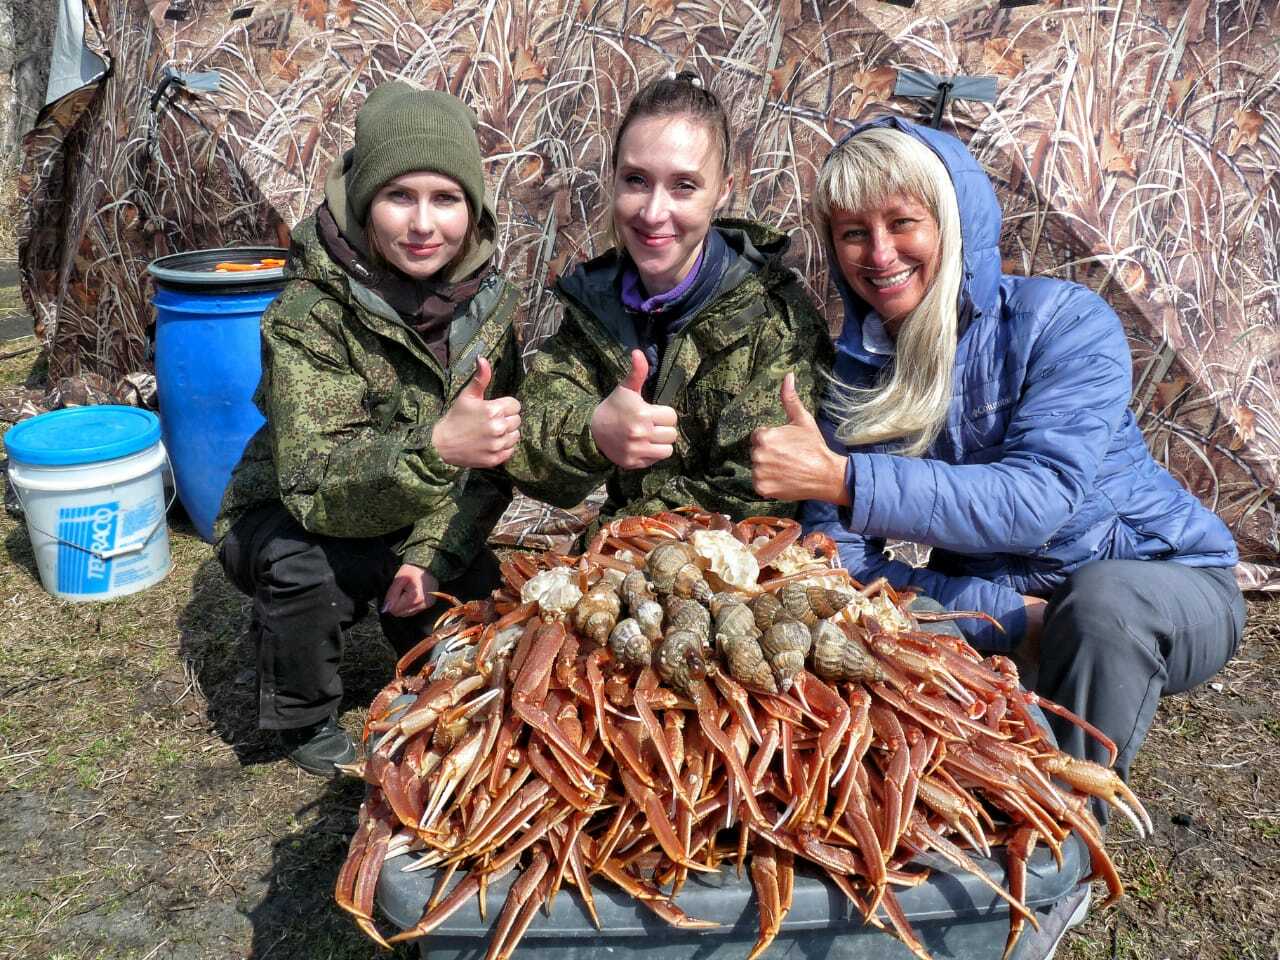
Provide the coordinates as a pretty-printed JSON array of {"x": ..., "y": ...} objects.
[{"x": 77, "y": 435}]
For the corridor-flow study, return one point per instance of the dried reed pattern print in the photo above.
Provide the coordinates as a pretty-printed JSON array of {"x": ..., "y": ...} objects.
[{"x": 1136, "y": 148}]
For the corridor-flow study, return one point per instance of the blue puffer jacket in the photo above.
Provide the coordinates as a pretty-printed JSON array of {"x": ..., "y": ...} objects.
[{"x": 1040, "y": 467}]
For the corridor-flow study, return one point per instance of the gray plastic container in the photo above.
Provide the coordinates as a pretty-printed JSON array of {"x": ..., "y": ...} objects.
[{"x": 953, "y": 914}]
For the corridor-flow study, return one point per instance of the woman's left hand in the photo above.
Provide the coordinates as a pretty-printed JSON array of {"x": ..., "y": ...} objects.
[
  {"x": 410, "y": 591},
  {"x": 793, "y": 462}
]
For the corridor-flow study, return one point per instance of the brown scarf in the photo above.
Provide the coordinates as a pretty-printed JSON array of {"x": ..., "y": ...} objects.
[{"x": 426, "y": 306}]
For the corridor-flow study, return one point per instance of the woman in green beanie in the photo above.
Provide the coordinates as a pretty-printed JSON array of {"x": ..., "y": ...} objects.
[{"x": 374, "y": 476}]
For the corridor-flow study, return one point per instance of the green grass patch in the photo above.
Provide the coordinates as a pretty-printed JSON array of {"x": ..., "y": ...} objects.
[
  {"x": 11, "y": 302},
  {"x": 1268, "y": 827},
  {"x": 21, "y": 361},
  {"x": 1272, "y": 726},
  {"x": 21, "y": 909}
]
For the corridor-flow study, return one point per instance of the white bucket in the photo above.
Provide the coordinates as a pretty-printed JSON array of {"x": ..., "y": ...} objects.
[{"x": 97, "y": 529}]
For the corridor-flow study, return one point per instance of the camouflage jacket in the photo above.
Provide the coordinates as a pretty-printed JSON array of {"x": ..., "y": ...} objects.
[
  {"x": 722, "y": 372},
  {"x": 350, "y": 395}
]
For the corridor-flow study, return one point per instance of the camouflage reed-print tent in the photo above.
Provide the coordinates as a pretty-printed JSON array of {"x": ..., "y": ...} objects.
[{"x": 1135, "y": 145}]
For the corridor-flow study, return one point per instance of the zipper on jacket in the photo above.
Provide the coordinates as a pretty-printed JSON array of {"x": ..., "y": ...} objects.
[
  {"x": 507, "y": 291},
  {"x": 668, "y": 359},
  {"x": 448, "y": 383}
]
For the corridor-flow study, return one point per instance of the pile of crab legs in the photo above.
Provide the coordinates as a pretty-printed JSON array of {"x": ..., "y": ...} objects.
[{"x": 690, "y": 692}]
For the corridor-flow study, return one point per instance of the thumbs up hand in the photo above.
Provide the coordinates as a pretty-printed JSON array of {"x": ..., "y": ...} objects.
[
  {"x": 793, "y": 462},
  {"x": 631, "y": 432},
  {"x": 475, "y": 432}
]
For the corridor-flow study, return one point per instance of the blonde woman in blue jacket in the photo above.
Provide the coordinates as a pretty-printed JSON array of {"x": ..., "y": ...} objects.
[{"x": 987, "y": 416}]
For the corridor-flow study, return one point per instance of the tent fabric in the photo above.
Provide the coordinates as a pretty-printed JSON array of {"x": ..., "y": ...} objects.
[
  {"x": 1135, "y": 148},
  {"x": 72, "y": 63}
]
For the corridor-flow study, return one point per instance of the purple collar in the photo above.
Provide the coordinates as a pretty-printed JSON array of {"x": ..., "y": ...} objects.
[{"x": 633, "y": 292}]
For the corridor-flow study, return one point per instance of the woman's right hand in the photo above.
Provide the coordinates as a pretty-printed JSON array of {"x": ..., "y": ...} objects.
[
  {"x": 475, "y": 432},
  {"x": 1035, "y": 607},
  {"x": 793, "y": 462},
  {"x": 631, "y": 432}
]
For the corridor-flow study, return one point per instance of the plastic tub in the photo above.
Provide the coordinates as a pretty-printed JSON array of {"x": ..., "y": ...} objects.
[
  {"x": 91, "y": 484},
  {"x": 208, "y": 361},
  {"x": 955, "y": 915}
]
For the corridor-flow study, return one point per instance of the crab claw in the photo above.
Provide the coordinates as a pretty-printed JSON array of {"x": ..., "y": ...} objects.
[
  {"x": 1097, "y": 781},
  {"x": 646, "y": 689},
  {"x": 733, "y": 692},
  {"x": 453, "y": 769}
]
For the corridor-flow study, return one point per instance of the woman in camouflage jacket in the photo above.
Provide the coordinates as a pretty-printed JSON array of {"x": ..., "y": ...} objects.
[
  {"x": 372, "y": 478},
  {"x": 674, "y": 346}
]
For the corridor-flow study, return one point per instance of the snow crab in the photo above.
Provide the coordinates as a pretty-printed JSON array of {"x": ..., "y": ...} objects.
[{"x": 691, "y": 691}]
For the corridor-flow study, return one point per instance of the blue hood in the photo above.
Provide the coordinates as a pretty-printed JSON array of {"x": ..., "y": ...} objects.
[{"x": 979, "y": 231}]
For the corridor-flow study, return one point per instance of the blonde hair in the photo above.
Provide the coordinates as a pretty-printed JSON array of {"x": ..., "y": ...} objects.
[{"x": 909, "y": 400}]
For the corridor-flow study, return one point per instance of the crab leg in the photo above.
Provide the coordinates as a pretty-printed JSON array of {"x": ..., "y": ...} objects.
[
  {"x": 1017, "y": 852},
  {"x": 646, "y": 689},
  {"x": 530, "y": 691},
  {"x": 581, "y": 880},
  {"x": 364, "y": 878},
  {"x": 653, "y": 898},
  {"x": 517, "y": 912},
  {"x": 764, "y": 879}
]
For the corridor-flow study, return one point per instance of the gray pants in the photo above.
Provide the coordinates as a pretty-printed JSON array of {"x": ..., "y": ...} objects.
[{"x": 1120, "y": 634}]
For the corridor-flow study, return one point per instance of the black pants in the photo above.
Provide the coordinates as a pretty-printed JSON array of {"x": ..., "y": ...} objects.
[
  {"x": 1120, "y": 634},
  {"x": 307, "y": 591}
]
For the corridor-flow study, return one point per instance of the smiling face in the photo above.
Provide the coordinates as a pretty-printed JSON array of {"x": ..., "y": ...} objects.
[
  {"x": 667, "y": 185},
  {"x": 888, "y": 254},
  {"x": 418, "y": 222}
]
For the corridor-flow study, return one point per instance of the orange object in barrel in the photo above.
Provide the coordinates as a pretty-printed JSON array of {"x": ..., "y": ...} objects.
[{"x": 266, "y": 263}]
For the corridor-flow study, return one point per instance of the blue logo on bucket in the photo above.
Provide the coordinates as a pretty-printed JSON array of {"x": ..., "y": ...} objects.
[{"x": 84, "y": 533}]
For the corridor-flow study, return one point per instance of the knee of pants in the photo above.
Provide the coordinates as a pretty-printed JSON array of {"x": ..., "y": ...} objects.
[
  {"x": 1089, "y": 612},
  {"x": 293, "y": 571}
]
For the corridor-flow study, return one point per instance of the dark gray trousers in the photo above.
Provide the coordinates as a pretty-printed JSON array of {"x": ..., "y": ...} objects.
[
  {"x": 307, "y": 591},
  {"x": 1120, "y": 634}
]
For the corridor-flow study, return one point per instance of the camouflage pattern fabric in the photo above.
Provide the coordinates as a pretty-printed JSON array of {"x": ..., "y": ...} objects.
[
  {"x": 722, "y": 373},
  {"x": 1135, "y": 148},
  {"x": 351, "y": 395}
]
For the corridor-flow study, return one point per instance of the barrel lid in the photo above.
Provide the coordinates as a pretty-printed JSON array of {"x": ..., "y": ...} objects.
[
  {"x": 198, "y": 268},
  {"x": 76, "y": 435}
]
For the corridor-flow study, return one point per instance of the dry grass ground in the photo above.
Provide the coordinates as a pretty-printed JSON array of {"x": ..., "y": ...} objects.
[
  {"x": 8, "y": 212},
  {"x": 146, "y": 817}
]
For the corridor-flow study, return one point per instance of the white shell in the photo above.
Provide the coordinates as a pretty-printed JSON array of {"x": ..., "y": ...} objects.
[
  {"x": 556, "y": 590},
  {"x": 729, "y": 558},
  {"x": 795, "y": 559},
  {"x": 505, "y": 640},
  {"x": 883, "y": 609}
]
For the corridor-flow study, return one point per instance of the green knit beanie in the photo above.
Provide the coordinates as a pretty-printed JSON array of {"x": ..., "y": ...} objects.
[{"x": 400, "y": 130}]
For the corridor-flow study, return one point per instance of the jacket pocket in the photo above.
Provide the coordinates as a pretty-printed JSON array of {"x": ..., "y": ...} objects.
[{"x": 985, "y": 420}]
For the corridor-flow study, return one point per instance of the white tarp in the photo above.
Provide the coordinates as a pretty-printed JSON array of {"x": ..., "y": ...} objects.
[{"x": 72, "y": 64}]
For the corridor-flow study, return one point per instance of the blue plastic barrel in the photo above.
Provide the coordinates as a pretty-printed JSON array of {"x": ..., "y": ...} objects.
[{"x": 208, "y": 361}]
